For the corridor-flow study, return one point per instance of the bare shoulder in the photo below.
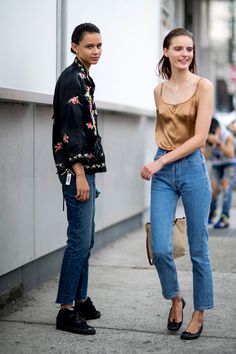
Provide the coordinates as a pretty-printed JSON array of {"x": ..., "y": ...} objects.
[
  {"x": 157, "y": 93},
  {"x": 157, "y": 90},
  {"x": 205, "y": 84}
]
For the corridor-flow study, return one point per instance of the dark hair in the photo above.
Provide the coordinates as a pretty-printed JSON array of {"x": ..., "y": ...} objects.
[
  {"x": 164, "y": 67},
  {"x": 80, "y": 30},
  {"x": 214, "y": 125}
]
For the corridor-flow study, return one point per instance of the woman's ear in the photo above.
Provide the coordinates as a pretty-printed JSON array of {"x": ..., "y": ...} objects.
[
  {"x": 74, "y": 46},
  {"x": 165, "y": 52}
]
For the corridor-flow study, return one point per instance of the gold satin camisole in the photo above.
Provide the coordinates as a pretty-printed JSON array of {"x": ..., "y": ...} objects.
[{"x": 175, "y": 123}]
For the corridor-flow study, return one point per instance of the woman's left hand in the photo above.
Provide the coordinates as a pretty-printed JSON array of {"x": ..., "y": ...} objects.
[{"x": 148, "y": 170}]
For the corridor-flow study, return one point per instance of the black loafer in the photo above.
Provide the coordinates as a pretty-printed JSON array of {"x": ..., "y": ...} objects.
[
  {"x": 189, "y": 336},
  {"x": 174, "y": 326}
]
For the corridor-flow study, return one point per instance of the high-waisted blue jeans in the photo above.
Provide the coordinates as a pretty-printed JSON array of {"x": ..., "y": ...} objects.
[
  {"x": 186, "y": 178},
  {"x": 73, "y": 283}
]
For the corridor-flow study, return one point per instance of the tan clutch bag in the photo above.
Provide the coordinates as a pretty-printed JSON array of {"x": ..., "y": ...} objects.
[{"x": 179, "y": 239}]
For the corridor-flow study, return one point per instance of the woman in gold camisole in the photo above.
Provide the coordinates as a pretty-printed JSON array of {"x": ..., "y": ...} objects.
[{"x": 184, "y": 109}]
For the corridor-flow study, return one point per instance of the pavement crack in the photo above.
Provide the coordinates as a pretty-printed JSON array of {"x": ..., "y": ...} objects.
[
  {"x": 120, "y": 267},
  {"x": 120, "y": 329}
]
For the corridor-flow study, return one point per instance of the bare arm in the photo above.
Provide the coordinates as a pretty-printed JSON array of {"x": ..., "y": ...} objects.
[{"x": 202, "y": 125}]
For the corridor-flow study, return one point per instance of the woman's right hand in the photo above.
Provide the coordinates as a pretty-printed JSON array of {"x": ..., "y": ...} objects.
[
  {"x": 82, "y": 188},
  {"x": 150, "y": 169}
]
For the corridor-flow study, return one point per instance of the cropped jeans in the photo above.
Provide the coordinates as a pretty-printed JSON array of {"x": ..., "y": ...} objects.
[
  {"x": 186, "y": 178},
  {"x": 73, "y": 283}
]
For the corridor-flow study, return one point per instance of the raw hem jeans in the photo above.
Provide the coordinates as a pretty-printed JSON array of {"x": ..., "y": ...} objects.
[
  {"x": 73, "y": 283},
  {"x": 186, "y": 178}
]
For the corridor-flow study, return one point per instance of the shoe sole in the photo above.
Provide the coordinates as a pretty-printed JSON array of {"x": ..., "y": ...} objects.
[
  {"x": 75, "y": 330},
  {"x": 188, "y": 336}
]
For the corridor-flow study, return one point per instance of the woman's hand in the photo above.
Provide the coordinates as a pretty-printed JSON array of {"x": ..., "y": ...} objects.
[
  {"x": 82, "y": 188},
  {"x": 148, "y": 170}
]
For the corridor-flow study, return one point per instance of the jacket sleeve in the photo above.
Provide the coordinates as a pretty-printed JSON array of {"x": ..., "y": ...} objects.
[{"x": 73, "y": 116}]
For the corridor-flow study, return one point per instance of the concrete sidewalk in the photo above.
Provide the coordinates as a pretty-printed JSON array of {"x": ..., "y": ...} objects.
[{"x": 134, "y": 315}]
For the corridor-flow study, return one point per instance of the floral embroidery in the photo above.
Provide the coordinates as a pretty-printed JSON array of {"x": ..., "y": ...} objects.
[
  {"x": 92, "y": 111},
  {"x": 95, "y": 166},
  {"x": 82, "y": 76},
  {"x": 88, "y": 95},
  {"x": 76, "y": 121},
  {"x": 89, "y": 156},
  {"x": 79, "y": 65},
  {"x": 81, "y": 156},
  {"x": 65, "y": 138},
  {"x": 74, "y": 100},
  {"x": 89, "y": 125},
  {"x": 58, "y": 147}
]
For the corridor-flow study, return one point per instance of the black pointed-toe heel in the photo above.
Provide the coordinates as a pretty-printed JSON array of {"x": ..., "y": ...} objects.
[
  {"x": 174, "y": 326},
  {"x": 189, "y": 336}
]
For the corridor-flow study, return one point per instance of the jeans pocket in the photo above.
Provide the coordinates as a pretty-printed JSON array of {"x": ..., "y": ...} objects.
[
  {"x": 196, "y": 157},
  {"x": 160, "y": 153}
]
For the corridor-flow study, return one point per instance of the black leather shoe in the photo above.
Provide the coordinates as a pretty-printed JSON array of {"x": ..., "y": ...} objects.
[
  {"x": 189, "y": 336},
  {"x": 87, "y": 310},
  {"x": 174, "y": 326},
  {"x": 69, "y": 321}
]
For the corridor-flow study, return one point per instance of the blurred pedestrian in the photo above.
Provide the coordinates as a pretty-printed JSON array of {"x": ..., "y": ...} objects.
[
  {"x": 184, "y": 110},
  {"x": 78, "y": 155},
  {"x": 232, "y": 128},
  {"x": 220, "y": 150}
]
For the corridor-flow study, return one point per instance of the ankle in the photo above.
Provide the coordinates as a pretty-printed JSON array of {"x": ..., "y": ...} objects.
[
  {"x": 198, "y": 316},
  {"x": 81, "y": 301},
  {"x": 177, "y": 300},
  {"x": 66, "y": 306}
]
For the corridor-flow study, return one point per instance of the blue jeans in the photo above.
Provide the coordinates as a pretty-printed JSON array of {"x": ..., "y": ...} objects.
[
  {"x": 187, "y": 178},
  {"x": 220, "y": 173},
  {"x": 73, "y": 283}
]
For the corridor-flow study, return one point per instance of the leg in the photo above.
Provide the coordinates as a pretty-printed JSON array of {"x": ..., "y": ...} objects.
[
  {"x": 75, "y": 260},
  {"x": 215, "y": 194},
  {"x": 164, "y": 199},
  {"x": 228, "y": 177},
  {"x": 196, "y": 195},
  {"x": 82, "y": 288},
  {"x": 79, "y": 232},
  {"x": 215, "y": 185},
  {"x": 163, "y": 205},
  {"x": 227, "y": 187}
]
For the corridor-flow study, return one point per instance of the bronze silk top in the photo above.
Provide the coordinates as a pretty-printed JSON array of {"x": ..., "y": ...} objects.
[{"x": 175, "y": 123}]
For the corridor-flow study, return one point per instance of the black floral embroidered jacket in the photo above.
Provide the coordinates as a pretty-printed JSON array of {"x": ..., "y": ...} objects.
[{"x": 75, "y": 131}]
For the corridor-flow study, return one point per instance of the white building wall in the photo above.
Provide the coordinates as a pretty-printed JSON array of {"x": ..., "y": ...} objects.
[
  {"x": 28, "y": 45},
  {"x": 130, "y": 32},
  {"x": 32, "y": 221}
]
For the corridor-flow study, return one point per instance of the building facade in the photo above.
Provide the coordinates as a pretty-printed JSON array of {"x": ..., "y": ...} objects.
[{"x": 35, "y": 38}]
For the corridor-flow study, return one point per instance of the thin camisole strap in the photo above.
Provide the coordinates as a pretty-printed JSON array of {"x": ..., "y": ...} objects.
[
  {"x": 161, "y": 88},
  {"x": 198, "y": 83},
  {"x": 159, "y": 94},
  {"x": 196, "y": 93}
]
